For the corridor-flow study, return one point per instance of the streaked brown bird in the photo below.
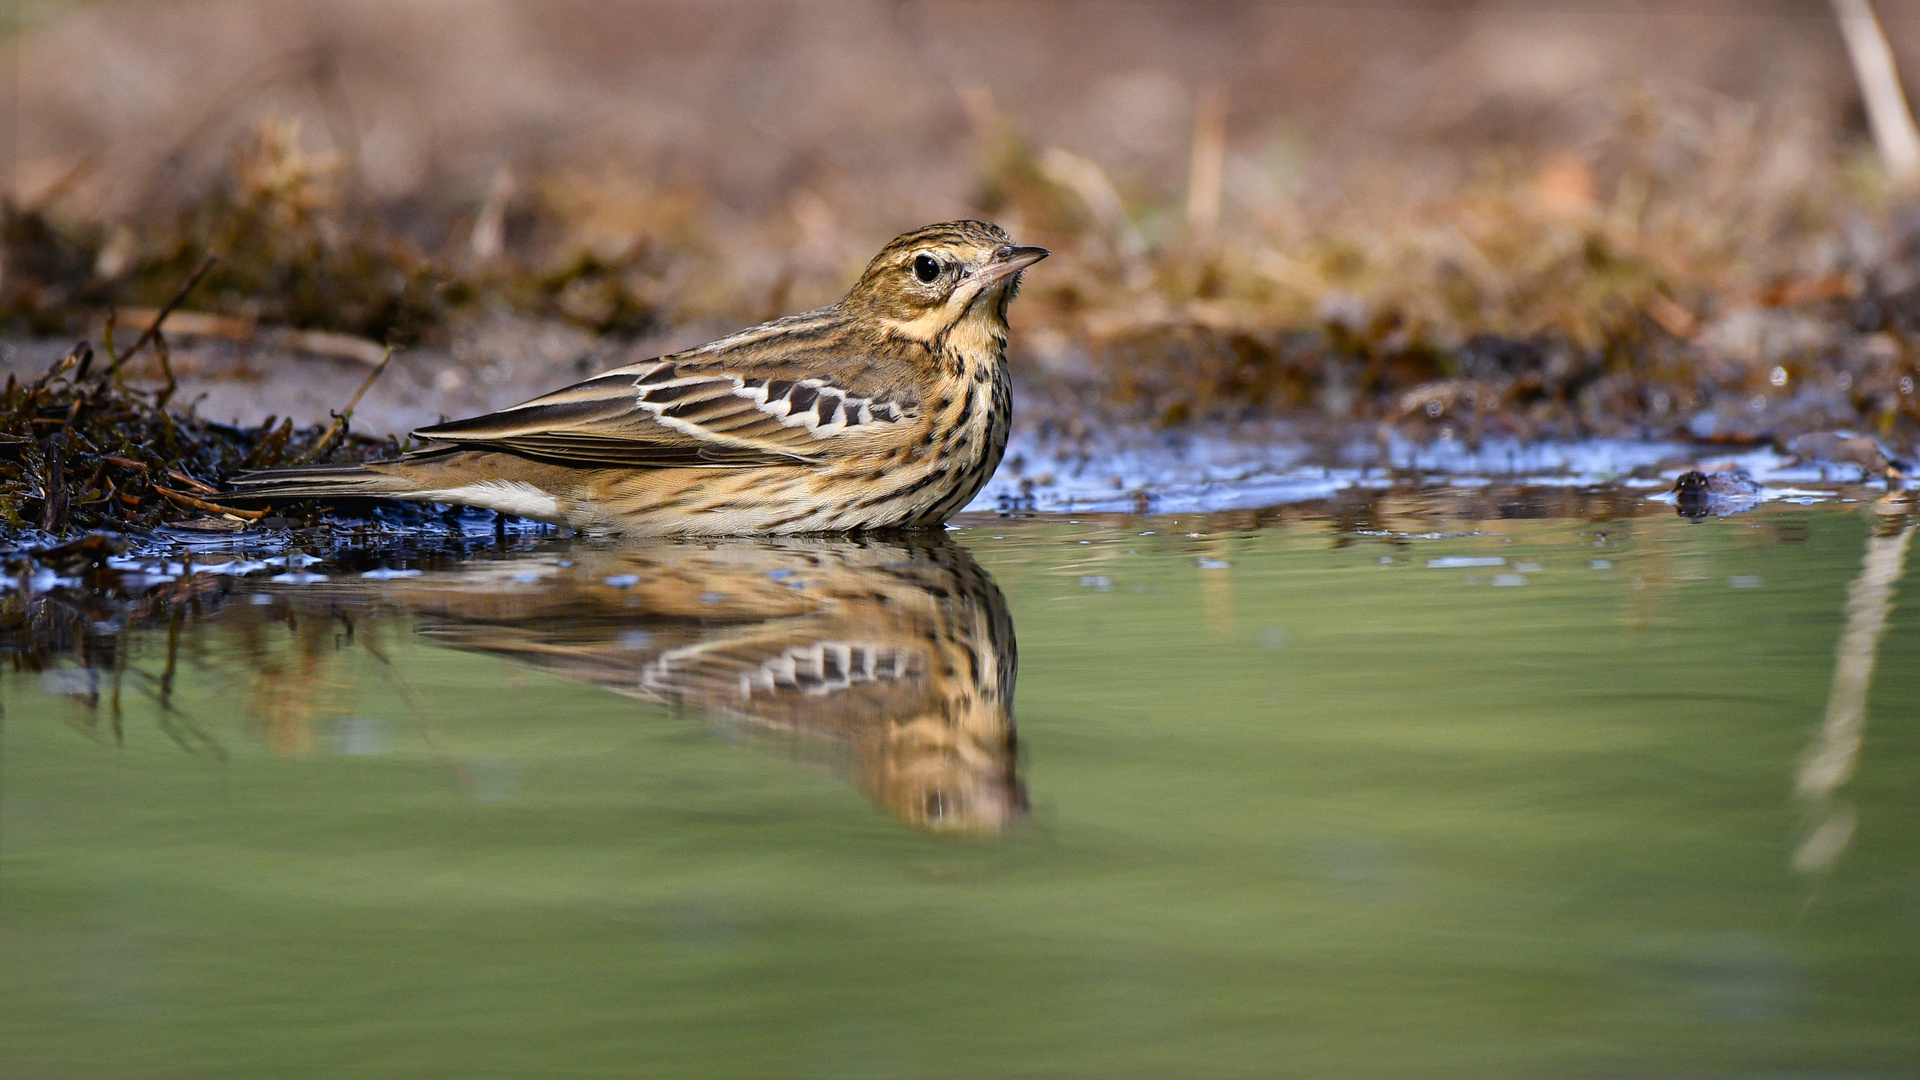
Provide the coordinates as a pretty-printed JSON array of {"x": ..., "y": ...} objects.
[
  {"x": 901, "y": 650},
  {"x": 886, "y": 410}
]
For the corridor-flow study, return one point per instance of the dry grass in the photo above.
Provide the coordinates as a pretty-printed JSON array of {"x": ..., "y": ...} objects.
[
  {"x": 81, "y": 450},
  {"x": 1690, "y": 256}
]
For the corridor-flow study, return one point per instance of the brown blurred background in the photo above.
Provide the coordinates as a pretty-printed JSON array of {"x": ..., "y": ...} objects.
[{"x": 1272, "y": 207}]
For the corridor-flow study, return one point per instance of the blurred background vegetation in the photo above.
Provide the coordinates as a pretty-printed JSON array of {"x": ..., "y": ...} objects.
[{"x": 1629, "y": 218}]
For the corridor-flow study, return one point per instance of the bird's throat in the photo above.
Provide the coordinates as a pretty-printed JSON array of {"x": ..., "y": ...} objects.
[{"x": 980, "y": 336}]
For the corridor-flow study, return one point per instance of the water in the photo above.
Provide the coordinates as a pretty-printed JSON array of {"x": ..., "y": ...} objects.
[{"x": 1463, "y": 782}]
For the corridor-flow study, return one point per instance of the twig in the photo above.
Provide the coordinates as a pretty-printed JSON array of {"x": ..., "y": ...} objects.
[
  {"x": 1208, "y": 168},
  {"x": 203, "y": 324},
  {"x": 490, "y": 225},
  {"x": 1089, "y": 181},
  {"x": 173, "y": 658},
  {"x": 165, "y": 355},
  {"x": 1887, "y": 112},
  {"x": 165, "y": 310},
  {"x": 201, "y": 504},
  {"x": 340, "y": 418},
  {"x": 1835, "y": 753},
  {"x": 326, "y": 343},
  {"x": 170, "y": 716},
  {"x": 200, "y": 486},
  {"x": 53, "y": 512}
]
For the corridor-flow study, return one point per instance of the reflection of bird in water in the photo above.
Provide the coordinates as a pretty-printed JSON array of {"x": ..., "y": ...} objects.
[
  {"x": 292, "y": 686},
  {"x": 902, "y": 649}
]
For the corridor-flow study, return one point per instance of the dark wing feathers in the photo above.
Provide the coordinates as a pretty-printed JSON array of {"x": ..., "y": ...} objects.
[
  {"x": 665, "y": 414},
  {"x": 789, "y": 676}
]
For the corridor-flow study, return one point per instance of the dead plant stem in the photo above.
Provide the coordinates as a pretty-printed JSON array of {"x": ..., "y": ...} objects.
[
  {"x": 340, "y": 418},
  {"x": 154, "y": 330}
]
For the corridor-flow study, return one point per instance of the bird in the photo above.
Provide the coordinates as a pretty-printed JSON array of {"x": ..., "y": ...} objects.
[
  {"x": 898, "y": 648},
  {"x": 888, "y": 409}
]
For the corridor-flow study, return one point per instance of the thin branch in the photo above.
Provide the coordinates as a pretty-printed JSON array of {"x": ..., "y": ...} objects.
[
  {"x": 201, "y": 504},
  {"x": 1208, "y": 168},
  {"x": 122, "y": 358},
  {"x": 1892, "y": 121},
  {"x": 340, "y": 418}
]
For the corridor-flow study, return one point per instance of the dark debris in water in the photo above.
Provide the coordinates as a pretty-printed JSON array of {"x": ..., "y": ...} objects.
[{"x": 80, "y": 598}]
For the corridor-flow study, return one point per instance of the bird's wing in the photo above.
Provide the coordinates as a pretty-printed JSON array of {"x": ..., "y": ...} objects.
[
  {"x": 804, "y": 674},
  {"x": 666, "y": 413}
]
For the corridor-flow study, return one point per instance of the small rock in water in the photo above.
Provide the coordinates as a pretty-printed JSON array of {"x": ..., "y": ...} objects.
[
  {"x": 1844, "y": 448},
  {"x": 93, "y": 549}
]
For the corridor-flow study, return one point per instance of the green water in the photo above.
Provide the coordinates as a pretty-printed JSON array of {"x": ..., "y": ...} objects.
[{"x": 1270, "y": 801}]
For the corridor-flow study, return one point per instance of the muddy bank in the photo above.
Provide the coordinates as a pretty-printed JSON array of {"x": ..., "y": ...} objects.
[{"x": 236, "y": 402}]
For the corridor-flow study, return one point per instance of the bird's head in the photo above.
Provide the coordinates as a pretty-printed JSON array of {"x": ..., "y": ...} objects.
[{"x": 928, "y": 283}]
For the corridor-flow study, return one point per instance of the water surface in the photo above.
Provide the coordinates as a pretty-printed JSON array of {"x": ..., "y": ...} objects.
[{"x": 1460, "y": 782}]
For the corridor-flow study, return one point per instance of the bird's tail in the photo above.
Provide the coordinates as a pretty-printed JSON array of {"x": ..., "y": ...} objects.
[{"x": 321, "y": 482}]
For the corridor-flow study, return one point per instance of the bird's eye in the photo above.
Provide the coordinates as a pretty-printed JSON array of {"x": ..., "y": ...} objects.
[{"x": 926, "y": 268}]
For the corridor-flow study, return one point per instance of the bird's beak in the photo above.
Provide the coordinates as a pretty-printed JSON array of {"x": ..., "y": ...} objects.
[{"x": 1008, "y": 261}]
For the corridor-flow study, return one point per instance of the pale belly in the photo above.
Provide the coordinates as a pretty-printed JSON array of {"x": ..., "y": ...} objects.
[{"x": 723, "y": 502}]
